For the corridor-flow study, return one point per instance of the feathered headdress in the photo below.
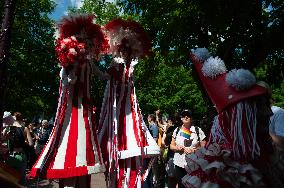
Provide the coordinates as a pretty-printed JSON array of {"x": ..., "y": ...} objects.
[
  {"x": 78, "y": 39},
  {"x": 127, "y": 34}
]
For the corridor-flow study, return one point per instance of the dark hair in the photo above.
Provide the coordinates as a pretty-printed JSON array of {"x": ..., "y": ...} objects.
[
  {"x": 18, "y": 116},
  {"x": 186, "y": 112},
  {"x": 152, "y": 117}
]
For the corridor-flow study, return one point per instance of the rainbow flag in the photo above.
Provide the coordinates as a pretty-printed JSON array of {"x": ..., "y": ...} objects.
[{"x": 186, "y": 133}]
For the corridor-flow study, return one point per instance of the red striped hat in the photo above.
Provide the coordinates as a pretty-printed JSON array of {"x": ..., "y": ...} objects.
[{"x": 224, "y": 87}]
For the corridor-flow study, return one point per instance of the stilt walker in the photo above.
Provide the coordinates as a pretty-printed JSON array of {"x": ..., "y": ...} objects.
[
  {"x": 238, "y": 145},
  {"x": 72, "y": 152},
  {"x": 123, "y": 135}
]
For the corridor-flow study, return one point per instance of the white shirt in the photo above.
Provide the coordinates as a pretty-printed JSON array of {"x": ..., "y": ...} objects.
[
  {"x": 179, "y": 158},
  {"x": 276, "y": 125}
]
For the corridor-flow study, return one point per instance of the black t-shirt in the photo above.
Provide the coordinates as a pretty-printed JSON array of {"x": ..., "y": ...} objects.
[{"x": 16, "y": 138}]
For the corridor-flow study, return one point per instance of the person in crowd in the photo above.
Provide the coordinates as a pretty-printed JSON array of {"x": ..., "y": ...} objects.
[
  {"x": 276, "y": 131},
  {"x": 276, "y": 128},
  {"x": 42, "y": 136},
  {"x": 31, "y": 154},
  {"x": 121, "y": 125},
  {"x": 238, "y": 149},
  {"x": 153, "y": 127},
  {"x": 169, "y": 158},
  {"x": 185, "y": 140},
  {"x": 18, "y": 137},
  {"x": 158, "y": 169},
  {"x": 154, "y": 130},
  {"x": 8, "y": 176},
  {"x": 72, "y": 153}
]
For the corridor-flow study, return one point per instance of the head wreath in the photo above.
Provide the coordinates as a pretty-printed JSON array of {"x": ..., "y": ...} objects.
[
  {"x": 127, "y": 34},
  {"x": 76, "y": 34}
]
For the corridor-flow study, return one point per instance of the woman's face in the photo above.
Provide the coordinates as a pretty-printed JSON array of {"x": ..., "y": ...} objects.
[
  {"x": 186, "y": 121},
  {"x": 31, "y": 126}
]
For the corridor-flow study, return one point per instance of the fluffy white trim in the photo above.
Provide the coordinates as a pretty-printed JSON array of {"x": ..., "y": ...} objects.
[
  {"x": 201, "y": 53},
  {"x": 240, "y": 79},
  {"x": 120, "y": 60},
  {"x": 116, "y": 36},
  {"x": 213, "y": 67}
]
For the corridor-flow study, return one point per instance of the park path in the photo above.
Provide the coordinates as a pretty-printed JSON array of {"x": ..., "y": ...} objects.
[{"x": 98, "y": 181}]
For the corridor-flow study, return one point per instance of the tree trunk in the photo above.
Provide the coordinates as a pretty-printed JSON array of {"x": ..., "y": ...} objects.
[{"x": 5, "y": 42}]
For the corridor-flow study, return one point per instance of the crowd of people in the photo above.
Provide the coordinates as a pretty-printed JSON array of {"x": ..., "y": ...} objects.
[
  {"x": 234, "y": 149},
  {"x": 22, "y": 142}
]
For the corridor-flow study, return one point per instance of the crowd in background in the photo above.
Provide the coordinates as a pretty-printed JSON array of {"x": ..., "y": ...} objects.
[
  {"x": 21, "y": 143},
  {"x": 177, "y": 136}
]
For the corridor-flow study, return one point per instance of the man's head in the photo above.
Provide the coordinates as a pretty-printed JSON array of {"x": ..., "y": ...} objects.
[
  {"x": 8, "y": 119},
  {"x": 186, "y": 117},
  {"x": 151, "y": 117},
  {"x": 44, "y": 123}
]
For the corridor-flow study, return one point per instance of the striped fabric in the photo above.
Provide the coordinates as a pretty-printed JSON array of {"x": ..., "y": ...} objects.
[
  {"x": 123, "y": 135},
  {"x": 72, "y": 149}
]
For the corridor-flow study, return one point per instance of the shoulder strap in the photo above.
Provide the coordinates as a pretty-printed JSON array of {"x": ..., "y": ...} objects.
[
  {"x": 178, "y": 128},
  {"x": 197, "y": 132}
]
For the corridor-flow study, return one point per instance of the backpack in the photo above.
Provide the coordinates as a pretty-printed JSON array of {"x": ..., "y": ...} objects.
[{"x": 16, "y": 138}]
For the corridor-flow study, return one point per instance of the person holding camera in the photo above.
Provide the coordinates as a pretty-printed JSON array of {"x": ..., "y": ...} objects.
[{"x": 185, "y": 140}]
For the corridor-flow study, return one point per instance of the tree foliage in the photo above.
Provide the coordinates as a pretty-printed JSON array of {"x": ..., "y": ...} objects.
[
  {"x": 169, "y": 88},
  {"x": 247, "y": 34},
  {"x": 244, "y": 32},
  {"x": 32, "y": 68}
]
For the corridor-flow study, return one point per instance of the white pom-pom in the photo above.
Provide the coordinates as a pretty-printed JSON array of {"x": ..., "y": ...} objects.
[
  {"x": 72, "y": 51},
  {"x": 66, "y": 40},
  {"x": 240, "y": 79},
  {"x": 213, "y": 67},
  {"x": 63, "y": 46},
  {"x": 74, "y": 38},
  {"x": 201, "y": 53}
]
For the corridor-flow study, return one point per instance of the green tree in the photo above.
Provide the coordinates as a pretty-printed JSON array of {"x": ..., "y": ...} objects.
[
  {"x": 32, "y": 71},
  {"x": 247, "y": 34},
  {"x": 242, "y": 33},
  {"x": 167, "y": 87}
]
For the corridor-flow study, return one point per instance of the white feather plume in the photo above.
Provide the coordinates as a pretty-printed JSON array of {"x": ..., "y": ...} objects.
[
  {"x": 213, "y": 67},
  {"x": 117, "y": 35},
  {"x": 201, "y": 53},
  {"x": 240, "y": 79}
]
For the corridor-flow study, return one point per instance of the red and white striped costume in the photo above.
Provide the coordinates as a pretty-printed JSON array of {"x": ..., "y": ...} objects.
[
  {"x": 123, "y": 135},
  {"x": 72, "y": 149}
]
